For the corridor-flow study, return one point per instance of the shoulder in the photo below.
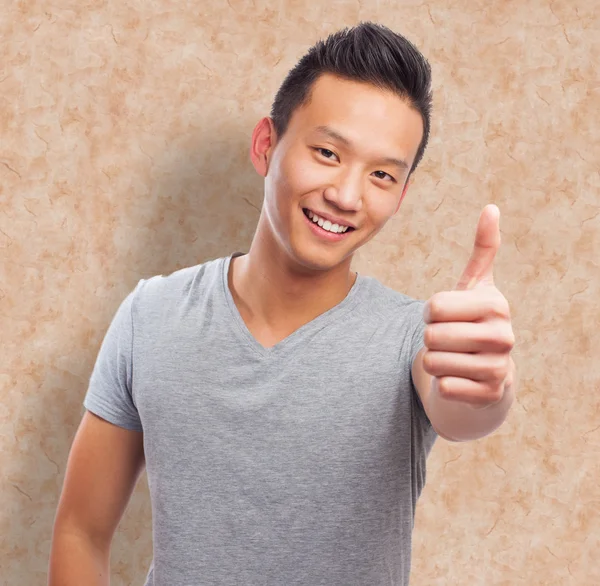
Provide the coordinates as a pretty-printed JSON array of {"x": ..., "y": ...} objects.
[
  {"x": 161, "y": 292},
  {"x": 385, "y": 301}
]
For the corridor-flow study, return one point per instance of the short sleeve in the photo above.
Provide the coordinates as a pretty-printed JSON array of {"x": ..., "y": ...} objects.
[
  {"x": 417, "y": 329},
  {"x": 417, "y": 342},
  {"x": 109, "y": 393}
]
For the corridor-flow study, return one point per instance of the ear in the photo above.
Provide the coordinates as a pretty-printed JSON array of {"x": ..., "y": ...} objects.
[
  {"x": 406, "y": 186},
  {"x": 261, "y": 147}
]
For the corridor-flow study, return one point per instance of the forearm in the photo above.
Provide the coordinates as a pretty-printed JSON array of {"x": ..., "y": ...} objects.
[{"x": 76, "y": 560}]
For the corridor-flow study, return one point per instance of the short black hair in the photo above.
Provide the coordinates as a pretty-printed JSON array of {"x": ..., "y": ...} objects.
[{"x": 370, "y": 53}]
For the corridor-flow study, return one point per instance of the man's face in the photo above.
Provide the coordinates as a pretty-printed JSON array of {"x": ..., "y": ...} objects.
[{"x": 338, "y": 173}]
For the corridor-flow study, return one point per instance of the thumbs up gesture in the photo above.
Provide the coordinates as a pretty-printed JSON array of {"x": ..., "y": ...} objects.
[{"x": 469, "y": 336}]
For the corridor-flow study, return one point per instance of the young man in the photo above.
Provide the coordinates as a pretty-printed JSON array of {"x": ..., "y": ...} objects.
[{"x": 283, "y": 405}]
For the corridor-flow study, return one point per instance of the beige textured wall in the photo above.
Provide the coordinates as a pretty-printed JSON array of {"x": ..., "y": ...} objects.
[{"x": 124, "y": 132}]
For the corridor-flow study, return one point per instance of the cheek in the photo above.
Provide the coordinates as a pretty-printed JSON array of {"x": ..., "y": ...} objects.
[
  {"x": 292, "y": 181},
  {"x": 286, "y": 184},
  {"x": 380, "y": 206},
  {"x": 302, "y": 176},
  {"x": 278, "y": 187}
]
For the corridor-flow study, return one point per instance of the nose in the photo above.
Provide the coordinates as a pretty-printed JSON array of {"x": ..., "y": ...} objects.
[{"x": 347, "y": 194}]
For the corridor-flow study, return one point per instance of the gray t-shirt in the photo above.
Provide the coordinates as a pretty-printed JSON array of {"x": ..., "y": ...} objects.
[{"x": 297, "y": 465}]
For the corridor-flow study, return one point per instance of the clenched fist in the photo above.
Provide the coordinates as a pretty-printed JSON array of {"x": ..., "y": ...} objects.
[{"x": 469, "y": 335}]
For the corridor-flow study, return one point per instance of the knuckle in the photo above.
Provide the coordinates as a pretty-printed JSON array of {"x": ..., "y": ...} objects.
[
  {"x": 500, "y": 307},
  {"x": 498, "y": 369},
  {"x": 481, "y": 336},
  {"x": 503, "y": 337},
  {"x": 509, "y": 340},
  {"x": 496, "y": 395}
]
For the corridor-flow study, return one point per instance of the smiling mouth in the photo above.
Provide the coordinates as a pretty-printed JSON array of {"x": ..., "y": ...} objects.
[{"x": 326, "y": 224}]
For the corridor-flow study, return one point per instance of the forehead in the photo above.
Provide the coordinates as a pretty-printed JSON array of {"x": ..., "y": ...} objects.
[{"x": 361, "y": 112}]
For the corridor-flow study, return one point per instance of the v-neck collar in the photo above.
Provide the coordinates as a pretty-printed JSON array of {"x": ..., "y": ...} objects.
[{"x": 351, "y": 299}]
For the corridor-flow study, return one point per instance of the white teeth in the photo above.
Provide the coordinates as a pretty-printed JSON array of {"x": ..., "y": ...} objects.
[{"x": 326, "y": 224}]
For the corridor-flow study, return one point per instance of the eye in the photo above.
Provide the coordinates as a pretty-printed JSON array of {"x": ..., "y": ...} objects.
[
  {"x": 326, "y": 153},
  {"x": 383, "y": 175}
]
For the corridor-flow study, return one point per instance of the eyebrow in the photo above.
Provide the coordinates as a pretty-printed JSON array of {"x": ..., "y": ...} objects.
[{"x": 335, "y": 135}]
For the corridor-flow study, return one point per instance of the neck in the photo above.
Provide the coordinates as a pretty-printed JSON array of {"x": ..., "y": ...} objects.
[{"x": 269, "y": 287}]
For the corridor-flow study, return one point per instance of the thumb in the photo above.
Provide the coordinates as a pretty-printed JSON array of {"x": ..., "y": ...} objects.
[{"x": 480, "y": 268}]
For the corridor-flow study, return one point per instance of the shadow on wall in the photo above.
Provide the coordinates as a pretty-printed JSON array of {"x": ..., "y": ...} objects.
[
  {"x": 200, "y": 200},
  {"x": 205, "y": 204}
]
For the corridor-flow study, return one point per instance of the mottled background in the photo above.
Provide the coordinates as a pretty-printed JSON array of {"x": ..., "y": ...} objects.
[{"x": 124, "y": 135}]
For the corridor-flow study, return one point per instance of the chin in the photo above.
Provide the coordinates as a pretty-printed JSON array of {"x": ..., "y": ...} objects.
[
  {"x": 309, "y": 255},
  {"x": 317, "y": 259}
]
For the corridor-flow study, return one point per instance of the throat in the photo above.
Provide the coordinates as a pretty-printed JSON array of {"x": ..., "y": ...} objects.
[{"x": 273, "y": 307}]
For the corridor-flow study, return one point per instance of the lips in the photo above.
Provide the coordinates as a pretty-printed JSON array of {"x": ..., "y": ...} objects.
[{"x": 328, "y": 223}]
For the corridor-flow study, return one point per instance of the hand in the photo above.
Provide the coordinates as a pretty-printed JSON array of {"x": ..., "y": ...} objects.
[{"x": 469, "y": 335}]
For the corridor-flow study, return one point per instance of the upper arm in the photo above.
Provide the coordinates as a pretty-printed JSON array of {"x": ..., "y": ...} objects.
[
  {"x": 103, "y": 467},
  {"x": 107, "y": 454}
]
